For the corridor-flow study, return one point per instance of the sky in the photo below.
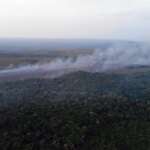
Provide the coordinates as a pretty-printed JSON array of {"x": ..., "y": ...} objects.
[{"x": 93, "y": 19}]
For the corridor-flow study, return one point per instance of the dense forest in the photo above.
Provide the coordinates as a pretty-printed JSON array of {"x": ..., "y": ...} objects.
[{"x": 78, "y": 111}]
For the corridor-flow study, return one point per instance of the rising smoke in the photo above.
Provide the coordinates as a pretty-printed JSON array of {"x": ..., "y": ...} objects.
[{"x": 116, "y": 56}]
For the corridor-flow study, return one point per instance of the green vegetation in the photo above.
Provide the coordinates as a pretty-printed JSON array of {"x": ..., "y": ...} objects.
[
  {"x": 80, "y": 111},
  {"x": 103, "y": 123}
]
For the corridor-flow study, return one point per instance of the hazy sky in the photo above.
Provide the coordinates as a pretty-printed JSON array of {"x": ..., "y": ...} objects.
[{"x": 121, "y": 19}]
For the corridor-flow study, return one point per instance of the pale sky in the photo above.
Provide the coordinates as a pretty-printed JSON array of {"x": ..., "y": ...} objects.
[{"x": 104, "y": 19}]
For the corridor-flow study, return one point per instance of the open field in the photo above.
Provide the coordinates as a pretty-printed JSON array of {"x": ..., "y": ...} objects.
[{"x": 15, "y": 59}]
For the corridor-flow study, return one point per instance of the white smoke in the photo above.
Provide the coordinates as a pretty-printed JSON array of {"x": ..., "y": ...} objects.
[{"x": 117, "y": 56}]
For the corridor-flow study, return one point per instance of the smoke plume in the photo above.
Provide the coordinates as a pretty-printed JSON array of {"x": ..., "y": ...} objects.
[{"x": 116, "y": 56}]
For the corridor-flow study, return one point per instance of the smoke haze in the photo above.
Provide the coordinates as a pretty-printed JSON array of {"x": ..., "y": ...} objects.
[{"x": 114, "y": 57}]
